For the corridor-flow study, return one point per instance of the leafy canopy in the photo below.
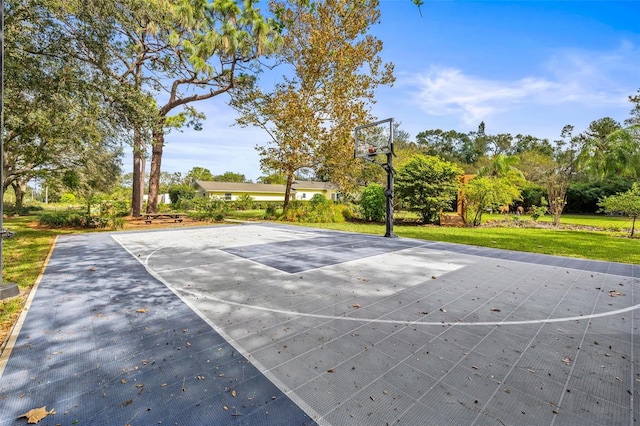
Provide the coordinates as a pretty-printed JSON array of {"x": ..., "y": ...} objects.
[
  {"x": 428, "y": 184},
  {"x": 626, "y": 203}
]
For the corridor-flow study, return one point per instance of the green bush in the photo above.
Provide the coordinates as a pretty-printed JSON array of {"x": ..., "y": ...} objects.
[
  {"x": 208, "y": 208},
  {"x": 317, "y": 210},
  {"x": 270, "y": 212},
  {"x": 583, "y": 197},
  {"x": 244, "y": 202},
  {"x": 68, "y": 198},
  {"x": 428, "y": 184},
  {"x": 373, "y": 205},
  {"x": 181, "y": 192},
  {"x": 72, "y": 220}
]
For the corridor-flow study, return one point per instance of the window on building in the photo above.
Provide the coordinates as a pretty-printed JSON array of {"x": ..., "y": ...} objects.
[
  {"x": 304, "y": 195},
  {"x": 227, "y": 196}
]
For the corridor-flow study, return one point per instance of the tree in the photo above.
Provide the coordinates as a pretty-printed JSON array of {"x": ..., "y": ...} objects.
[
  {"x": 230, "y": 177},
  {"x": 198, "y": 173},
  {"x": 448, "y": 145},
  {"x": 334, "y": 71},
  {"x": 179, "y": 52},
  {"x": 273, "y": 178},
  {"x": 527, "y": 143},
  {"x": 55, "y": 114},
  {"x": 557, "y": 178},
  {"x": 428, "y": 184},
  {"x": 502, "y": 165},
  {"x": 603, "y": 155},
  {"x": 626, "y": 203},
  {"x": 485, "y": 192},
  {"x": 93, "y": 175},
  {"x": 635, "y": 111},
  {"x": 499, "y": 183}
]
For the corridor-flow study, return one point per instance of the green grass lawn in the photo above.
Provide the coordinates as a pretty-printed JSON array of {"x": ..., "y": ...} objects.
[{"x": 23, "y": 258}]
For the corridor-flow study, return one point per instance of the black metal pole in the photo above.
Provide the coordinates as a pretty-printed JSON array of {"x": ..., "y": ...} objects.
[
  {"x": 6, "y": 290},
  {"x": 389, "y": 194}
]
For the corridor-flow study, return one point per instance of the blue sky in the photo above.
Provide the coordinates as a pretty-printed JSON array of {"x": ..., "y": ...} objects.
[{"x": 527, "y": 67}]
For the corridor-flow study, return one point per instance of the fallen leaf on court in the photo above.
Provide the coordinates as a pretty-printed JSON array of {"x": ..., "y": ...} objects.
[
  {"x": 123, "y": 381},
  {"x": 163, "y": 385},
  {"x": 36, "y": 414},
  {"x": 433, "y": 277},
  {"x": 331, "y": 370},
  {"x": 355, "y": 305},
  {"x": 141, "y": 310},
  {"x": 566, "y": 360},
  {"x": 443, "y": 310},
  {"x": 233, "y": 393},
  {"x": 93, "y": 268},
  {"x": 423, "y": 313},
  {"x": 495, "y": 309},
  {"x": 225, "y": 408},
  {"x": 614, "y": 293}
]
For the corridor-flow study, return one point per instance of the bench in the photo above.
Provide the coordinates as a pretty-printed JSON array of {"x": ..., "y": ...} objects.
[{"x": 150, "y": 217}]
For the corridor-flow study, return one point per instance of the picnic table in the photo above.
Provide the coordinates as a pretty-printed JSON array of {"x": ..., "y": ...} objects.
[{"x": 150, "y": 217}]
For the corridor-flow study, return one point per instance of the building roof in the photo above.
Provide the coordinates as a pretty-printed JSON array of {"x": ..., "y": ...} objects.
[
  {"x": 239, "y": 187},
  {"x": 314, "y": 185},
  {"x": 299, "y": 185}
]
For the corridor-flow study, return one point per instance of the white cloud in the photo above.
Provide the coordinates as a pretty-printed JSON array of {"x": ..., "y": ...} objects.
[{"x": 569, "y": 77}]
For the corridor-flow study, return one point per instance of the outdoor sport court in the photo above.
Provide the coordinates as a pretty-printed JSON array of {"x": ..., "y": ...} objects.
[{"x": 267, "y": 324}]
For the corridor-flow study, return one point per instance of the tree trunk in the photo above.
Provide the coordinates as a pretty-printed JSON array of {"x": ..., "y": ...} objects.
[
  {"x": 633, "y": 226},
  {"x": 138, "y": 174},
  {"x": 154, "y": 173},
  {"x": 19, "y": 189},
  {"x": 287, "y": 190}
]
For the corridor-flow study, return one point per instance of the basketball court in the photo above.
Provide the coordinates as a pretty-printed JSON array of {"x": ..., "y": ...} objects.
[{"x": 273, "y": 324}]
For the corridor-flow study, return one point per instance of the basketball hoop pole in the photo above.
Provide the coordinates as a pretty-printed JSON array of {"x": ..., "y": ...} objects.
[
  {"x": 369, "y": 150},
  {"x": 389, "y": 194}
]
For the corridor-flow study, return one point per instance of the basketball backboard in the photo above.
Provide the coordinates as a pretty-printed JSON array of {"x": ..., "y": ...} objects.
[{"x": 374, "y": 139}]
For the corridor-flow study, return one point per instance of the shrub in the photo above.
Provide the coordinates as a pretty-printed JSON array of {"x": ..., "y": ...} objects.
[
  {"x": 270, "y": 212},
  {"x": 244, "y": 202},
  {"x": 373, "y": 203},
  {"x": 208, "y": 208},
  {"x": 428, "y": 184},
  {"x": 181, "y": 192},
  {"x": 317, "y": 210},
  {"x": 68, "y": 198},
  {"x": 72, "y": 220}
]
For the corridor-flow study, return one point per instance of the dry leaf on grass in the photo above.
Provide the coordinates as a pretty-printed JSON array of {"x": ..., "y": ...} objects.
[{"x": 36, "y": 414}]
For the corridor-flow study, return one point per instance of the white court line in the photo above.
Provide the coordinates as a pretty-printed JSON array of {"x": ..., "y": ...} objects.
[{"x": 383, "y": 321}]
